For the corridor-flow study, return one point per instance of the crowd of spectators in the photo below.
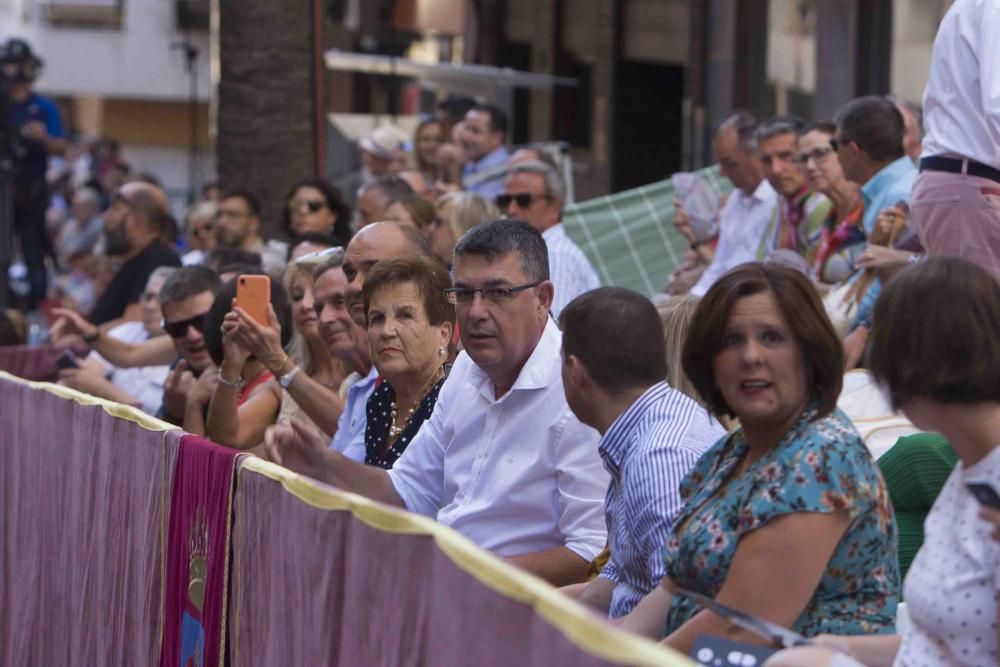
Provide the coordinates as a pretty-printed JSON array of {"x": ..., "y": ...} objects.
[{"x": 437, "y": 342}]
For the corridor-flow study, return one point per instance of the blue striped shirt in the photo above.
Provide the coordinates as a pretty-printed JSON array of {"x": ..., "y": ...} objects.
[{"x": 648, "y": 451}]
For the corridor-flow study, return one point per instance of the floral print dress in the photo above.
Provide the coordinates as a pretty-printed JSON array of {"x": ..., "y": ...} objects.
[{"x": 821, "y": 465}]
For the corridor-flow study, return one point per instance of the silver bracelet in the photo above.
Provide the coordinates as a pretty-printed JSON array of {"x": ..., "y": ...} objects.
[{"x": 235, "y": 385}]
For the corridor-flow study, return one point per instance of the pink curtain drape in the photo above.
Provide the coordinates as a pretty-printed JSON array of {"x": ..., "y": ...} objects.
[
  {"x": 81, "y": 507},
  {"x": 84, "y": 504},
  {"x": 31, "y": 363},
  {"x": 330, "y": 590}
]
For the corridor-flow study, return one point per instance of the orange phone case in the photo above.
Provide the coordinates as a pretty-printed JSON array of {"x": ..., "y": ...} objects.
[{"x": 253, "y": 294}]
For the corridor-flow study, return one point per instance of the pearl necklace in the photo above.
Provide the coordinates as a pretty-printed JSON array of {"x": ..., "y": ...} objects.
[{"x": 396, "y": 431}]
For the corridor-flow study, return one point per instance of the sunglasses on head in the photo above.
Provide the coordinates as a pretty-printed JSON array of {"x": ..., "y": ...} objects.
[
  {"x": 313, "y": 205},
  {"x": 523, "y": 200},
  {"x": 180, "y": 329}
]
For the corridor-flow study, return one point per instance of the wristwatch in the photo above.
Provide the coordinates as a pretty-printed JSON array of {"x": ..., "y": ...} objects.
[{"x": 286, "y": 380}]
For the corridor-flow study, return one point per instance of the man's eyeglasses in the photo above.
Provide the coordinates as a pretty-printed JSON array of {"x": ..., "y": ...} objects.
[
  {"x": 313, "y": 205},
  {"x": 523, "y": 200},
  {"x": 463, "y": 296},
  {"x": 817, "y": 154},
  {"x": 180, "y": 329}
]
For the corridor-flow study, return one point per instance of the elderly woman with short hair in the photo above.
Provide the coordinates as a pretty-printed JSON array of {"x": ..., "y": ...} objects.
[
  {"x": 410, "y": 322},
  {"x": 787, "y": 517}
]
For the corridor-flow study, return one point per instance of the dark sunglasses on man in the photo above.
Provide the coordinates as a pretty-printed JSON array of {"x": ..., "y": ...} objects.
[
  {"x": 523, "y": 200},
  {"x": 180, "y": 329}
]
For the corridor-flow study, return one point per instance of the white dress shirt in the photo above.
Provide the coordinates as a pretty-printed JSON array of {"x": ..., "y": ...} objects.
[
  {"x": 742, "y": 222},
  {"x": 962, "y": 99},
  {"x": 145, "y": 383},
  {"x": 515, "y": 475},
  {"x": 569, "y": 269}
]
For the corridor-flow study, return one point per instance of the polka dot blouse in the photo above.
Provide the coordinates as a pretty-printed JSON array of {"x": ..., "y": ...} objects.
[
  {"x": 379, "y": 452},
  {"x": 952, "y": 587}
]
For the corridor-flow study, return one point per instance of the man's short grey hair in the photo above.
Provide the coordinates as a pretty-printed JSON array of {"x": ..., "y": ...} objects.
[
  {"x": 160, "y": 273},
  {"x": 554, "y": 185},
  {"x": 505, "y": 236},
  {"x": 189, "y": 281},
  {"x": 772, "y": 127},
  {"x": 745, "y": 124}
]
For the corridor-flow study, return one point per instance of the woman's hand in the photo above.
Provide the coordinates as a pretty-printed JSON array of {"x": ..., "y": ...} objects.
[
  {"x": 262, "y": 342},
  {"x": 70, "y": 326},
  {"x": 234, "y": 354},
  {"x": 85, "y": 380},
  {"x": 682, "y": 222},
  {"x": 880, "y": 257}
]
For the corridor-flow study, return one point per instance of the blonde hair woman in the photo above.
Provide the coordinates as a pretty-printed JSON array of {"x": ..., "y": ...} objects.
[{"x": 457, "y": 213}]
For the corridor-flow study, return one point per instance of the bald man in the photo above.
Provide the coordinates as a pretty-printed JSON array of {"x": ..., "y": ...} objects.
[{"x": 133, "y": 230}]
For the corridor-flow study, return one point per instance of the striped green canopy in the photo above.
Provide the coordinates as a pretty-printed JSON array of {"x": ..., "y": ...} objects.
[{"x": 629, "y": 237}]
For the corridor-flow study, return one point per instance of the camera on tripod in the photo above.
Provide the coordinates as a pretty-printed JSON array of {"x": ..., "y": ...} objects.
[{"x": 18, "y": 65}]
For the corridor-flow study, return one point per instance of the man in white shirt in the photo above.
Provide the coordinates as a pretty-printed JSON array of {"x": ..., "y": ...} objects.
[
  {"x": 502, "y": 458},
  {"x": 534, "y": 191},
  {"x": 141, "y": 387},
  {"x": 955, "y": 205},
  {"x": 745, "y": 215}
]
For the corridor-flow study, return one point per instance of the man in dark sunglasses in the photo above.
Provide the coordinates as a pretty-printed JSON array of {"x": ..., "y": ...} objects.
[
  {"x": 185, "y": 299},
  {"x": 534, "y": 192}
]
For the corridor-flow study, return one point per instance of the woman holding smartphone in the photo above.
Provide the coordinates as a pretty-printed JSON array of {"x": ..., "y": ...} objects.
[
  {"x": 315, "y": 398},
  {"x": 944, "y": 373}
]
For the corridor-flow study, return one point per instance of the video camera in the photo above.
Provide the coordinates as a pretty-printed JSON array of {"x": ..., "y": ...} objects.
[{"x": 18, "y": 63}]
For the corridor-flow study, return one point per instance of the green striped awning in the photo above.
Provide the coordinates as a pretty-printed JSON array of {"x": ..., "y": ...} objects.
[{"x": 629, "y": 237}]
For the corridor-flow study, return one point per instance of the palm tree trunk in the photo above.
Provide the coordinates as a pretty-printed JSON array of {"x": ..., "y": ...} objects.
[{"x": 266, "y": 127}]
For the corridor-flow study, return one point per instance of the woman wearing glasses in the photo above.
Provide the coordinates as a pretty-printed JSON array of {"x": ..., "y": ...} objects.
[
  {"x": 242, "y": 426},
  {"x": 843, "y": 235},
  {"x": 313, "y": 205},
  {"x": 410, "y": 323},
  {"x": 199, "y": 230}
]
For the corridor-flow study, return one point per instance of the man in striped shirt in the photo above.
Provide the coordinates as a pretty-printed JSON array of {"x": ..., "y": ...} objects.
[
  {"x": 534, "y": 192},
  {"x": 614, "y": 362}
]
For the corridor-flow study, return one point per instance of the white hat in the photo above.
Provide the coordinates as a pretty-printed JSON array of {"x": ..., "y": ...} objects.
[{"x": 384, "y": 141}]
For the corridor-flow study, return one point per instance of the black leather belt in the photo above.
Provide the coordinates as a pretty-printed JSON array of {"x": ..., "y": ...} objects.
[{"x": 956, "y": 165}]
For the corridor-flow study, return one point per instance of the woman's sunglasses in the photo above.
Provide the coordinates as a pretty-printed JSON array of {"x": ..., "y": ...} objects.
[{"x": 313, "y": 205}]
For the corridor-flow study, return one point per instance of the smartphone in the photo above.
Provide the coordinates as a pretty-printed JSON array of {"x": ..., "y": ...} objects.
[
  {"x": 253, "y": 294},
  {"x": 67, "y": 360},
  {"x": 985, "y": 494}
]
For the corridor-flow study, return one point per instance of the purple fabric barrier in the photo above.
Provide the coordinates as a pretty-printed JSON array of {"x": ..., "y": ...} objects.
[
  {"x": 82, "y": 512},
  {"x": 30, "y": 363},
  {"x": 312, "y": 587}
]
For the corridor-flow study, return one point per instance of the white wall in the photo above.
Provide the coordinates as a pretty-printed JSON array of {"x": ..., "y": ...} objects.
[{"x": 135, "y": 61}]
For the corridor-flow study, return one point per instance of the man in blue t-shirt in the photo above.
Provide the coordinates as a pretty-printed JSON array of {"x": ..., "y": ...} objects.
[{"x": 35, "y": 121}]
